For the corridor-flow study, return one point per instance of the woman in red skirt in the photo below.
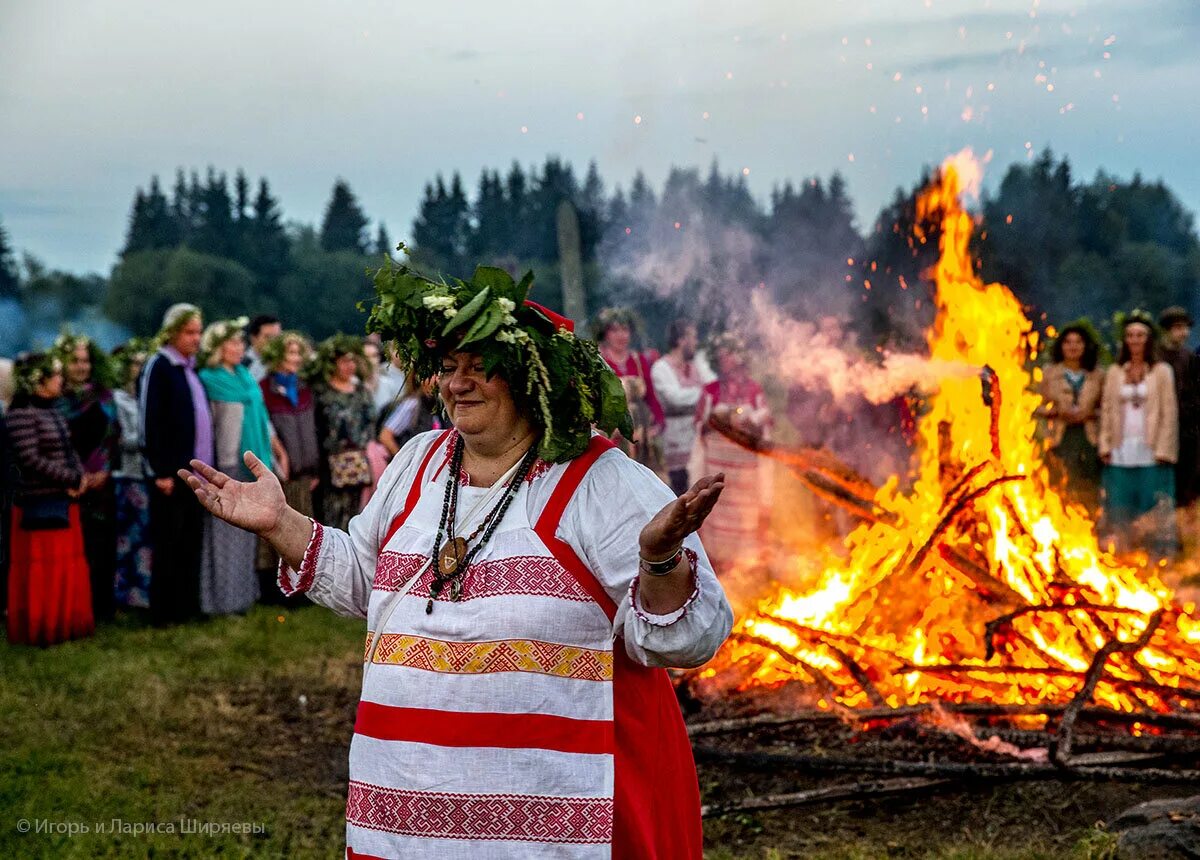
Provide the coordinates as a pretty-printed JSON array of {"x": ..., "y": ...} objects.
[{"x": 49, "y": 593}]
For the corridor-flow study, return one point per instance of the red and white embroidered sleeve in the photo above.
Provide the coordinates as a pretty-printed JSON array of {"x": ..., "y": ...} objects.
[{"x": 300, "y": 581}]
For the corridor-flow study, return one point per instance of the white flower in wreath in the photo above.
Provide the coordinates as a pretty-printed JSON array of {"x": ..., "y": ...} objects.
[
  {"x": 506, "y": 336},
  {"x": 438, "y": 303},
  {"x": 506, "y": 305}
]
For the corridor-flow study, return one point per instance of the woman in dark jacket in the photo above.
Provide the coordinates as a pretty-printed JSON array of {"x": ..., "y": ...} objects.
[
  {"x": 176, "y": 428},
  {"x": 91, "y": 415},
  {"x": 49, "y": 593},
  {"x": 292, "y": 408}
]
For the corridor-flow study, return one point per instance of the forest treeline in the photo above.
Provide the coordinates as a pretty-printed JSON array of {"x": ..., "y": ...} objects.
[{"x": 700, "y": 243}]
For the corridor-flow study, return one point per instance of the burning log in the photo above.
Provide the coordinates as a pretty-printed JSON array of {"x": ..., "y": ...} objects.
[
  {"x": 979, "y": 710},
  {"x": 955, "y": 770},
  {"x": 828, "y": 688},
  {"x": 1062, "y": 745},
  {"x": 952, "y": 514},
  {"x": 991, "y": 588},
  {"x": 849, "y": 791},
  {"x": 1005, "y": 620},
  {"x": 823, "y": 473}
]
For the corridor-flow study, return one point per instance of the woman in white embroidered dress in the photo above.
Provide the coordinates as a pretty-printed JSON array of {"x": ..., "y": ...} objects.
[{"x": 512, "y": 703}]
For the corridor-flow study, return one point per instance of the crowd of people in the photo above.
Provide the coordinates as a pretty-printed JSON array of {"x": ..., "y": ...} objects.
[
  {"x": 93, "y": 443},
  {"x": 1125, "y": 440}
]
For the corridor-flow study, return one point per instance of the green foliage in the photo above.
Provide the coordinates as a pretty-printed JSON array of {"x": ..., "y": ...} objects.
[
  {"x": 146, "y": 283},
  {"x": 1070, "y": 249},
  {"x": 320, "y": 292},
  {"x": 557, "y": 379}
]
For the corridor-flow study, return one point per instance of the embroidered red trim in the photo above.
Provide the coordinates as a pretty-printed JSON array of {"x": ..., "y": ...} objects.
[
  {"x": 492, "y": 817},
  {"x": 308, "y": 565},
  {"x": 533, "y": 575}
]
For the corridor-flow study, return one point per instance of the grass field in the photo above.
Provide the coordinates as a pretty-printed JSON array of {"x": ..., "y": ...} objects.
[{"x": 244, "y": 722}]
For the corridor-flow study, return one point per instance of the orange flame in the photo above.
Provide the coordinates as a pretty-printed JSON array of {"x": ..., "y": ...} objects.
[{"x": 903, "y": 615}]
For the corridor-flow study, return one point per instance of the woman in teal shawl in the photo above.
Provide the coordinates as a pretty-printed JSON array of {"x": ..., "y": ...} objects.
[{"x": 228, "y": 580}]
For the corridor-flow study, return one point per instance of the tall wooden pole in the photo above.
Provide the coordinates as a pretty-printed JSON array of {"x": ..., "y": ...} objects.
[{"x": 570, "y": 262}]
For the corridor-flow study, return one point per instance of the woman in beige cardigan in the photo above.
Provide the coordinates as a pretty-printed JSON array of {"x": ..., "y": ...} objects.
[
  {"x": 1139, "y": 440},
  {"x": 1071, "y": 389}
]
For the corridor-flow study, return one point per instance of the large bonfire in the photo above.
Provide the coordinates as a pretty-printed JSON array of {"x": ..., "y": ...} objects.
[{"x": 981, "y": 583}]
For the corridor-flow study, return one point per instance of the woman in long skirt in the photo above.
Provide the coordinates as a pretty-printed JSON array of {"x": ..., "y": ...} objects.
[
  {"x": 228, "y": 573},
  {"x": 292, "y": 409},
  {"x": 134, "y": 554},
  {"x": 91, "y": 414},
  {"x": 49, "y": 592},
  {"x": 735, "y": 531},
  {"x": 345, "y": 426}
]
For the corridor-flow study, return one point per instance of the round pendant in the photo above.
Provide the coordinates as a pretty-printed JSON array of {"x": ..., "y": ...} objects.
[{"x": 452, "y": 554}]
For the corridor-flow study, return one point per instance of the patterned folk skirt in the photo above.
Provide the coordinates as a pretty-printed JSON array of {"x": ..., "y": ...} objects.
[{"x": 134, "y": 554}]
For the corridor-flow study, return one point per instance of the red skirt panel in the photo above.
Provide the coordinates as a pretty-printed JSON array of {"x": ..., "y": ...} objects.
[{"x": 49, "y": 591}]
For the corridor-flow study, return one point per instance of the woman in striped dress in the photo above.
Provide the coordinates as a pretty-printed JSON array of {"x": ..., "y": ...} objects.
[
  {"x": 523, "y": 584},
  {"x": 49, "y": 593},
  {"x": 736, "y": 532}
]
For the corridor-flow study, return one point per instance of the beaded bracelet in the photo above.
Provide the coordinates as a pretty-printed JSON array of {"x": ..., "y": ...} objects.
[{"x": 663, "y": 567}]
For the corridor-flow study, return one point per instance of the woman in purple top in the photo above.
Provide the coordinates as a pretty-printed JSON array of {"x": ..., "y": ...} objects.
[{"x": 176, "y": 427}]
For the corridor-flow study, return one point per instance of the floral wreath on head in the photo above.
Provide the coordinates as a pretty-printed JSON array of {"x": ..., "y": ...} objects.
[
  {"x": 1122, "y": 321},
  {"x": 216, "y": 334},
  {"x": 726, "y": 340},
  {"x": 274, "y": 350},
  {"x": 176, "y": 317},
  {"x": 320, "y": 365},
  {"x": 557, "y": 379},
  {"x": 136, "y": 350},
  {"x": 103, "y": 372},
  {"x": 609, "y": 317},
  {"x": 31, "y": 369}
]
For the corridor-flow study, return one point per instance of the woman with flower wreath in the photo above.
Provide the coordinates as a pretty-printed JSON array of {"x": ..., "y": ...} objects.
[
  {"x": 91, "y": 414},
  {"x": 176, "y": 429},
  {"x": 292, "y": 408},
  {"x": 133, "y": 554},
  {"x": 737, "y": 400},
  {"x": 345, "y": 426},
  {"x": 49, "y": 593},
  {"x": 228, "y": 574},
  {"x": 523, "y": 585},
  {"x": 614, "y": 329},
  {"x": 1139, "y": 440}
]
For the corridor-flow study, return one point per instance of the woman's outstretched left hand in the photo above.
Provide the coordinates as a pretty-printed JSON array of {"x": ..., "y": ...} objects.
[
  {"x": 256, "y": 506},
  {"x": 662, "y": 535}
]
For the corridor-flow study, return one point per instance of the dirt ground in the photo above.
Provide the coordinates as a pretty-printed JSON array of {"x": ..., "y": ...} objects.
[{"x": 971, "y": 819}]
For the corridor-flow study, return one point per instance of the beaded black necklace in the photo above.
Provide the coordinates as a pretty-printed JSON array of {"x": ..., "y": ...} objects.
[{"x": 454, "y": 557}]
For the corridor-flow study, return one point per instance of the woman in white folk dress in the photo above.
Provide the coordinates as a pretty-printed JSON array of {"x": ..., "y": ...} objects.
[{"x": 524, "y": 583}]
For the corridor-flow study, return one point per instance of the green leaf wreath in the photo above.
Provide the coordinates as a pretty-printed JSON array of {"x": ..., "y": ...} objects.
[
  {"x": 320, "y": 366},
  {"x": 556, "y": 378}
]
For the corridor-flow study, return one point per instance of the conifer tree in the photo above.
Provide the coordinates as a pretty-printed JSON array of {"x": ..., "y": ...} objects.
[
  {"x": 10, "y": 283},
  {"x": 383, "y": 242},
  {"x": 344, "y": 225}
]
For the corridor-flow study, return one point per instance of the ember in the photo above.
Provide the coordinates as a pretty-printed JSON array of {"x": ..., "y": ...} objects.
[{"x": 981, "y": 584}]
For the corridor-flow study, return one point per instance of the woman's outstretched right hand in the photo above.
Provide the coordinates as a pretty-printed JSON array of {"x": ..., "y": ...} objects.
[{"x": 256, "y": 506}]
